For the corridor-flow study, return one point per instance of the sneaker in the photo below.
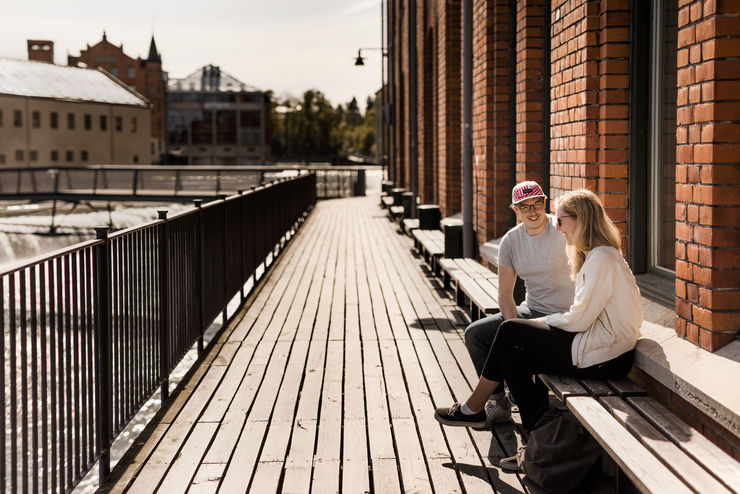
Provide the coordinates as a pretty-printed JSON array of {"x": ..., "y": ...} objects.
[
  {"x": 510, "y": 464},
  {"x": 498, "y": 410},
  {"x": 454, "y": 416}
]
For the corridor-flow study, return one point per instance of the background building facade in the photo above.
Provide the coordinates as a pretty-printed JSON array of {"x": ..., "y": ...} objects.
[
  {"x": 144, "y": 76},
  {"x": 53, "y": 115},
  {"x": 215, "y": 119},
  {"x": 634, "y": 100}
]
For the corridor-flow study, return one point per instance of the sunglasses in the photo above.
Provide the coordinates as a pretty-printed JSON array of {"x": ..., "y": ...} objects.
[
  {"x": 525, "y": 208},
  {"x": 560, "y": 223}
]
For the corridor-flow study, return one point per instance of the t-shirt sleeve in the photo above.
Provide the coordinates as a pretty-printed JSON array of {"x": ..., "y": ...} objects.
[{"x": 504, "y": 253}]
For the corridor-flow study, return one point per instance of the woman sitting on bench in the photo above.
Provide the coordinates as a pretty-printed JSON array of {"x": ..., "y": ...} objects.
[{"x": 593, "y": 340}]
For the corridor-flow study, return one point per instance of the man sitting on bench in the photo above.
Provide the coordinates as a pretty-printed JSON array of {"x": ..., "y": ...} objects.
[{"x": 535, "y": 251}]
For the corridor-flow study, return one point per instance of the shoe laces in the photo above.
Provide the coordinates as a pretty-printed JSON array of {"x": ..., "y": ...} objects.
[{"x": 451, "y": 411}]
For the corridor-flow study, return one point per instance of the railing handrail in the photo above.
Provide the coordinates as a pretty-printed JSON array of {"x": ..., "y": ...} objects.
[{"x": 27, "y": 263}]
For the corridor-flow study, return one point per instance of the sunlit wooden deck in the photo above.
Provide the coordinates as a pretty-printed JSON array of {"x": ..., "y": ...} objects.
[{"x": 327, "y": 380}]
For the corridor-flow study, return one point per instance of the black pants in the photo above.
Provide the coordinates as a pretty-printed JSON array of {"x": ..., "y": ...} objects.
[{"x": 525, "y": 348}]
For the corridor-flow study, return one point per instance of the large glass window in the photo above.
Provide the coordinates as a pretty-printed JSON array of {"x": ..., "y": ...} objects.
[{"x": 663, "y": 136}]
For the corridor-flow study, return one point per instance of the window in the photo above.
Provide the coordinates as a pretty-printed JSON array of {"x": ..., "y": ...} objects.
[
  {"x": 36, "y": 119},
  {"x": 17, "y": 118},
  {"x": 2, "y": 159},
  {"x": 54, "y": 120},
  {"x": 70, "y": 155},
  {"x": 83, "y": 155},
  {"x": 103, "y": 122},
  {"x": 55, "y": 156},
  {"x": 119, "y": 124},
  {"x": 133, "y": 124},
  {"x": 131, "y": 73},
  {"x": 114, "y": 71},
  {"x": 1, "y": 118},
  {"x": 19, "y": 155},
  {"x": 70, "y": 120},
  {"x": 136, "y": 159},
  {"x": 652, "y": 158},
  {"x": 34, "y": 155},
  {"x": 87, "y": 119}
]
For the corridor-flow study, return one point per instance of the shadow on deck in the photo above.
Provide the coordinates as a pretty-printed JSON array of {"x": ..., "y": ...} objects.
[{"x": 327, "y": 380}]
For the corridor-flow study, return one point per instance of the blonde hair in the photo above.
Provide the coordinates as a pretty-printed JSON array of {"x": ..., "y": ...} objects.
[{"x": 593, "y": 227}]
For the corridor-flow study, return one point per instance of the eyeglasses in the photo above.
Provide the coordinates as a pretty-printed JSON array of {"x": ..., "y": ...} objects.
[
  {"x": 560, "y": 223},
  {"x": 525, "y": 208}
]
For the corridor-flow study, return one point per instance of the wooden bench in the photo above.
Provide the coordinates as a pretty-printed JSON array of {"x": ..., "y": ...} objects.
[
  {"x": 655, "y": 449},
  {"x": 475, "y": 286},
  {"x": 387, "y": 201},
  {"x": 395, "y": 212},
  {"x": 431, "y": 245},
  {"x": 409, "y": 224}
]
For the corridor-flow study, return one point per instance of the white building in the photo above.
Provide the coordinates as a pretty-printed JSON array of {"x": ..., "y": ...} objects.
[{"x": 53, "y": 115}]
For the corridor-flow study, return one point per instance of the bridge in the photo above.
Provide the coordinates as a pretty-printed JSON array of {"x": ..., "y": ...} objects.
[{"x": 118, "y": 183}]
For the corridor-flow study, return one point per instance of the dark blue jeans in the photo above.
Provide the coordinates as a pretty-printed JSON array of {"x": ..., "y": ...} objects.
[{"x": 522, "y": 349}]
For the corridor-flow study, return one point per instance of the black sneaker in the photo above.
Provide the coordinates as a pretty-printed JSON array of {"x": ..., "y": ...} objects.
[{"x": 454, "y": 416}]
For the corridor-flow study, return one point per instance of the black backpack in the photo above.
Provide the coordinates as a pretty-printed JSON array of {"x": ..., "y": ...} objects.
[{"x": 560, "y": 452}]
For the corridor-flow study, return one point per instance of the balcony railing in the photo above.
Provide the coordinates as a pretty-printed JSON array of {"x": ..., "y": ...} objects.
[{"x": 91, "y": 331}]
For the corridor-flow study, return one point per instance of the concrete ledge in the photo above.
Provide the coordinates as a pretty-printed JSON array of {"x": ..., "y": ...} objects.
[
  {"x": 708, "y": 381},
  {"x": 489, "y": 250}
]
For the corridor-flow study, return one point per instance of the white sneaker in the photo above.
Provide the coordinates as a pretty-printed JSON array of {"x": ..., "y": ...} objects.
[{"x": 498, "y": 410}]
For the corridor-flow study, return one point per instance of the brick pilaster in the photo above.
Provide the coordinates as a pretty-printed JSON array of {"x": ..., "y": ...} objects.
[{"x": 707, "y": 173}]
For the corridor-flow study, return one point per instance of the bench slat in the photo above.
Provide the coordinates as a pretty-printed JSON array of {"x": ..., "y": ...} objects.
[
  {"x": 563, "y": 386},
  {"x": 624, "y": 387},
  {"x": 477, "y": 295},
  {"x": 706, "y": 453},
  {"x": 676, "y": 460},
  {"x": 596, "y": 388},
  {"x": 644, "y": 469}
]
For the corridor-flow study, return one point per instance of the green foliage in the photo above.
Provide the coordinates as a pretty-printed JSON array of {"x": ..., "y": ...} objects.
[{"x": 310, "y": 128}]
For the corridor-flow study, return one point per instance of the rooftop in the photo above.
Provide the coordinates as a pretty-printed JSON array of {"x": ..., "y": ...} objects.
[
  {"x": 45, "y": 80},
  {"x": 209, "y": 78}
]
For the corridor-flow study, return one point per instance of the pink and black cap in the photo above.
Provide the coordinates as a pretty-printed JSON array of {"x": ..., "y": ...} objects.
[{"x": 526, "y": 190}]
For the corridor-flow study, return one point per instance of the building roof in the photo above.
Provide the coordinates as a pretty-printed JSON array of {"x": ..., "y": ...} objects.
[
  {"x": 45, "y": 80},
  {"x": 209, "y": 78}
]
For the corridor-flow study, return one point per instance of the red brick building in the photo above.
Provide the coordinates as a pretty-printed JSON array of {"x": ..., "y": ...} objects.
[
  {"x": 144, "y": 76},
  {"x": 638, "y": 101}
]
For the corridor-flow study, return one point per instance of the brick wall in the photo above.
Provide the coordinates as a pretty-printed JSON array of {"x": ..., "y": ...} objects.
[
  {"x": 589, "y": 98},
  {"x": 426, "y": 83},
  {"x": 707, "y": 173},
  {"x": 529, "y": 91},
  {"x": 491, "y": 118}
]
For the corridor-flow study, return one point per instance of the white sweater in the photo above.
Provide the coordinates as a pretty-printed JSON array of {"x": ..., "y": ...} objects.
[{"x": 606, "y": 311}]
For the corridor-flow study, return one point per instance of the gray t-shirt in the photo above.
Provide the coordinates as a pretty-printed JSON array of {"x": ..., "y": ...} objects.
[{"x": 542, "y": 263}]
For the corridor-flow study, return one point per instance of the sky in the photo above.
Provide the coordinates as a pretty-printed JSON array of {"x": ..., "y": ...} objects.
[{"x": 288, "y": 46}]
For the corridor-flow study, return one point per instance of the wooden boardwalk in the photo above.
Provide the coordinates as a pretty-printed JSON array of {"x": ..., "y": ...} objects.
[{"x": 327, "y": 380}]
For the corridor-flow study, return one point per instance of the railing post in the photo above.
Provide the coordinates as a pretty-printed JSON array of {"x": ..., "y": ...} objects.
[
  {"x": 135, "y": 183},
  {"x": 242, "y": 250},
  {"x": 199, "y": 274},
  {"x": 164, "y": 308},
  {"x": 224, "y": 262},
  {"x": 104, "y": 382}
]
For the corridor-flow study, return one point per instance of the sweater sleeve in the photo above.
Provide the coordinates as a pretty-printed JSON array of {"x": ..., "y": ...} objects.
[{"x": 592, "y": 294}]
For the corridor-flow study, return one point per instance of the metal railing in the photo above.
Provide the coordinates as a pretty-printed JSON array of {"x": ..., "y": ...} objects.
[
  {"x": 91, "y": 331},
  {"x": 165, "y": 183}
]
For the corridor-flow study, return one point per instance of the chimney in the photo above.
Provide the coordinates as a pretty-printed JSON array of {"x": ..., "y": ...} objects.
[{"x": 40, "y": 50}]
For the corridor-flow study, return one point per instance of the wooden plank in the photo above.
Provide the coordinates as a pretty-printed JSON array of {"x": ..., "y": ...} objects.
[
  {"x": 563, "y": 386},
  {"x": 240, "y": 468},
  {"x": 644, "y": 469},
  {"x": 596, "y": 387},
  {"x": 624, "y": 387},
  {"x": 676, "y": 460},
  {"x": 188, "y": 459},
  {"x": 207, "y": 479},
  {"x": 712, "y": 458},
  {"x": 478, "y": 296}
]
